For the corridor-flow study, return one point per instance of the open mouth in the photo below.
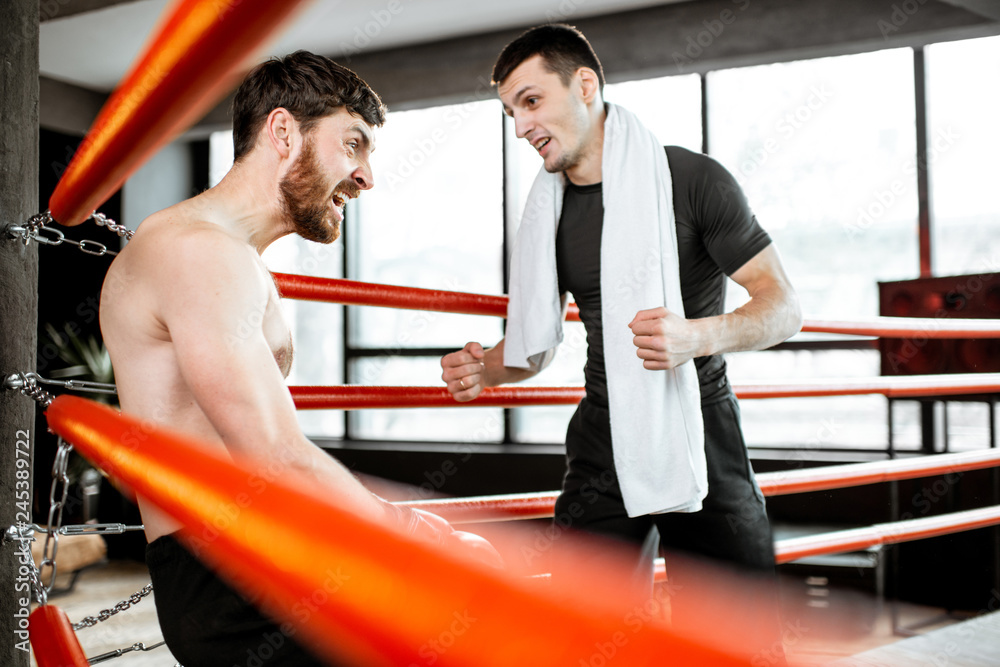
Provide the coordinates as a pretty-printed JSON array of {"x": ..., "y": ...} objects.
[
  {"x": 542, "y": 144},
  {"x": 340, "y": 199}
]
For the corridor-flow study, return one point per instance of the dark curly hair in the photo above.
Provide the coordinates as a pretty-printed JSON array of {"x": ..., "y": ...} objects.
[{"x": 309, "y": 86}]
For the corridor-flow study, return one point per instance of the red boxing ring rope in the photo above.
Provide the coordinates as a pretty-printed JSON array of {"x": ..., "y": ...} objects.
[
  {"x": 392, "y": 595},
  {"x": 354, "y": 293},
  {"x": 885, "y": 533},
  {"x": 193, "y": 60},
  {"x": 481, "y": 509},
  {"x": 910, "y": 386},
  {"x": 357, "y": 397}
]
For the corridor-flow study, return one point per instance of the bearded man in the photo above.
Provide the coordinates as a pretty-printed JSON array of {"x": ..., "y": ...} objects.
[{"x": 199, "y": 345}]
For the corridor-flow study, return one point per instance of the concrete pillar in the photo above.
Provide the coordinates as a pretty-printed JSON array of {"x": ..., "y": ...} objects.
[{"x": 18, "y": 294}]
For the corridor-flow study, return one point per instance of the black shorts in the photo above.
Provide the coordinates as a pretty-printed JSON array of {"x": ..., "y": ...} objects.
[
  {"x": 205, "y": 622},
  {"x": 732, "y": 526},
  {"x": 731, "y": 530}
]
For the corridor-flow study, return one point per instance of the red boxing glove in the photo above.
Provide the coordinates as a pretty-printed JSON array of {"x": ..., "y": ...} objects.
[
  {"x": 476, "y": 547},
  {"x": 434, "y": 529}
]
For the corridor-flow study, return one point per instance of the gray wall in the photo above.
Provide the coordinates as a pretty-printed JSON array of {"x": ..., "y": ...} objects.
[{"x": 163, "y": 181}]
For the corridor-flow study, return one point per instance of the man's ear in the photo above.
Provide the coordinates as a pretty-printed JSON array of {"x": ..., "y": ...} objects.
[
  {"x": 590, "y": 85},
  {"x": 281, "y": 132}
]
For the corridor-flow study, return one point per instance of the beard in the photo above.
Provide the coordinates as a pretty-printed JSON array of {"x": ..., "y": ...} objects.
[{"x": 306, "y": 198}]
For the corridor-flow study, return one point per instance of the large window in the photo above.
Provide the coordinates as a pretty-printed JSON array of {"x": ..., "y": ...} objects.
[
  {"x": 434, "y": 220},
  {"x": 669, "y": 106},
  {"x": 963, "y": 105},
  {"x": 825, "y": 150}
]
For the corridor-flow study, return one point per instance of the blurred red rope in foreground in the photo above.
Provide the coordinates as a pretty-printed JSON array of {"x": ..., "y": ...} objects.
[
  {"x": 199, "y": 51},
  {"x": 375, "y": 596},
  {"x": 53, "y": 639},
  {"x": 360, "y": 397},
  {"x": 355, "y": 293}
]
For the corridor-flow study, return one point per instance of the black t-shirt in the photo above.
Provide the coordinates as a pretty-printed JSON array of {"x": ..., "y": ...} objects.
[{"x": 717, "y": 234}]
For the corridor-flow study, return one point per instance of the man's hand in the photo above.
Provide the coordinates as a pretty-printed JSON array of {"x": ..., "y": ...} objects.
[
  {"x": 465, "y": 372},
  {"x": 432, "y": 528},
  {"x": 663, "y": 339}
]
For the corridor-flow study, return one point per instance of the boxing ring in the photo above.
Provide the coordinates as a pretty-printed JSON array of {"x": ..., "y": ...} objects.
[
  {"x": 163, "y": 471},
  {"x": 395, "y": 594}
]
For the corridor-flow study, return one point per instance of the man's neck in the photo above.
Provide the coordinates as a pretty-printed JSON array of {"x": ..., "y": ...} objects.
[
  {"x": 587, "y": 170},
  {"x": 247, "y": 204}
]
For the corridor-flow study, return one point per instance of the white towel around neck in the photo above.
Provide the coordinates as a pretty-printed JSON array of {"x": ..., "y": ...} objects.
[{"x": 656, "y": 422}]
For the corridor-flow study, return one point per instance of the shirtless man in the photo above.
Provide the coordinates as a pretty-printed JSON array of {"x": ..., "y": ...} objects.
[{"x": 194, "y": 327}]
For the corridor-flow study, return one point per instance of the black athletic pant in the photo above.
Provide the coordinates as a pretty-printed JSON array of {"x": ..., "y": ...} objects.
[
  {"x": 731, "y": 530},
  {"x": 207, "y": 623}
]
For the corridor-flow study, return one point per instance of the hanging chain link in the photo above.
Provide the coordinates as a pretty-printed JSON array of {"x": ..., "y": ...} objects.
[
  {"x": 57, "y": 500},
  {"x": 24, "y": 535},
  {"x": 105, "y": 614},
  {"x": 104, "y": 221},
  {"x": 35, "y": 229}
]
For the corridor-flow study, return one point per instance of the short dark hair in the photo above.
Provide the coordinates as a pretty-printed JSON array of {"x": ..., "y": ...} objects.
[
  {"x": 309, "y": 86},
  {"x": 563, "y": 47}
]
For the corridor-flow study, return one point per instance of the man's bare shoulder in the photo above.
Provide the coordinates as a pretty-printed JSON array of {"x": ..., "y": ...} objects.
[
  {"x": 183, "y": 239},
  {"x": 168, "y": 247},
  {"x": 174, "y": 259}
]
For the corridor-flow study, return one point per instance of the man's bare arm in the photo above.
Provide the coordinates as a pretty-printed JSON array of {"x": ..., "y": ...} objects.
[
  {"x": 213, "y": 306},
  {"x": 665, "y": 340}
]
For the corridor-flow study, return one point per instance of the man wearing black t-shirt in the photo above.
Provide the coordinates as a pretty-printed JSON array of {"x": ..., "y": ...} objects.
[{"x": 551, "y": 83}]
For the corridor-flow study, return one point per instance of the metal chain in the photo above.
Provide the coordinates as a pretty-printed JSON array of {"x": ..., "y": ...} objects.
[
  {"x": 27, "y": 384},
  {"x": 105, "y": 614},
  {"x": 35, "y": 230},
  {"x": 104, "y": 221},
  {"x": 14, "y": 382},
  {"x": 30, "y": 229},
  {"x": 57, "y": 500},
  {"x": 117, "y": 653},
  {"x": 24, "y": 535}
]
